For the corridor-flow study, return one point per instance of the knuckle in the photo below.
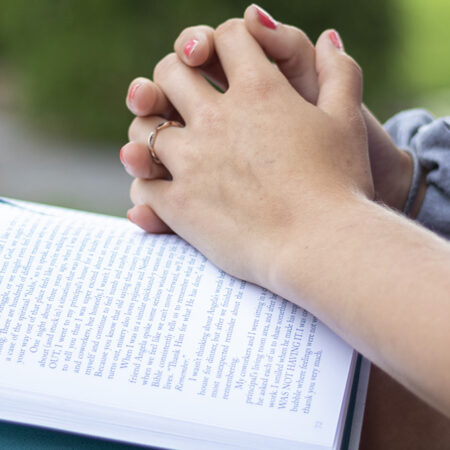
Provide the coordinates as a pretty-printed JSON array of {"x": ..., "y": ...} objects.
[
  {"x": 135, "y": 192},
  {"x": 133, "y": 129},
  {"x": 299, "y": 38},
  {"x": 298, "y": 57},
  {"x": 205, "y": 29},
  {"x": 230, "y": 26},
  {"x": 166, "y": 64},
  {"x": 352, "y": 67}
]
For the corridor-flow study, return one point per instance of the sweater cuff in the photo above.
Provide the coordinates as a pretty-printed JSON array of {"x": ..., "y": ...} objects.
[{"x": 415, "y": 182}]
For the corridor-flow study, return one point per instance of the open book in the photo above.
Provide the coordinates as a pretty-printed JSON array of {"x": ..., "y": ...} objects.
[{"x": 111, "y": 332}]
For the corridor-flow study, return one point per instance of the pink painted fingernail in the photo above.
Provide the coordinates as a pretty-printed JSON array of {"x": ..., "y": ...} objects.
[
  {"x": 336, "y": 39},
  {"x": 132, "y": 92},
  {"x": 190, "y": 47},
  {"x": 122, "y": 159},
  {"x": 265, "y": 18},
  {"x": 129, "y": 215}
]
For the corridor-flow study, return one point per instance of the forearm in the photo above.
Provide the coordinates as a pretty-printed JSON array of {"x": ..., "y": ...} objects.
[{"x": 383, "y": 284}]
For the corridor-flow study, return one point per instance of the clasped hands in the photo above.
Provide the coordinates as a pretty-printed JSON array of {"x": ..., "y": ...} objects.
[{"x": 280, "y": 154}]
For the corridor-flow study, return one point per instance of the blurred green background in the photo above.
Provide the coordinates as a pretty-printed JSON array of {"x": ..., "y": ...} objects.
[{"x": 66, "y": 64}]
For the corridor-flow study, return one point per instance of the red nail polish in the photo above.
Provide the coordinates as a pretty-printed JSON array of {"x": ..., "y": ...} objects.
[
  {"x": 335, "y": 39},
  {"x": 265, "y": 18},
  {"x": 190, "y": 47},
  {"x": 132, "y": 92},
  {"x": 122, "y": 159}
]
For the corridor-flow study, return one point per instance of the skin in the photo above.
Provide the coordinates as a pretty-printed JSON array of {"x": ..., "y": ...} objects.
[
  {"x": 213, "y": 111},
  {"x": 306, "y": 188},
  {"x": 294, "y": 55},
  {"x": 392, "y": 412}
]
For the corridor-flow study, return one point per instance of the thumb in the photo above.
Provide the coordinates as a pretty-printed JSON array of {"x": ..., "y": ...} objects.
[
  {"x": 289, "y": 47},
  {"x": 340, "y": 77}
]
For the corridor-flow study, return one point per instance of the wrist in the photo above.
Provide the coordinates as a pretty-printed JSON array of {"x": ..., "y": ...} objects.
[
  {"x": 408, "y": 182},
  {"x": 397, "y": 182},
  {"x": 392, "y": 168},
  {"x": 300, "y": 252}
]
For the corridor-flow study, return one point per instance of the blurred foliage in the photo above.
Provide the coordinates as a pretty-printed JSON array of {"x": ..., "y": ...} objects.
[
  {"x": 73, "y": 60},
  {"x": 421, "y": 67}
]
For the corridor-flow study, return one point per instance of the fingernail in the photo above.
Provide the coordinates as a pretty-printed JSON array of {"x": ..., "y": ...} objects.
[
  {"x": 132, "y": 92},
  {"x": 190, "y": 47},
  {"x": 265, "y": 18},
  {"x": 121, "y": 156},
  {"x": 335, "y": 39},
  {"x": 129, "y": 215}
]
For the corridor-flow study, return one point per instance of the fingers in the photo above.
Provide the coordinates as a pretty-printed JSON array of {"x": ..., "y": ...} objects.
[
  {"x": 289, "y": 47},
  {"x": 137, "y": 161},
  {"x": 340, "y": 77},
  {"x": 195, "y": 47},
  {"x": 184, "y": 86},
  {"x": 240, "y": 55},
  {"x": 154, "y": 194},
  {"x": 145, "y": 97},
  {"x": 143, "y": 216},
  {"x": 165, "y": 145}
]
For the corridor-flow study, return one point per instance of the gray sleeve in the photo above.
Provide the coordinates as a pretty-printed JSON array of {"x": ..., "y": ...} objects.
[{"x": 428, "y": 140}]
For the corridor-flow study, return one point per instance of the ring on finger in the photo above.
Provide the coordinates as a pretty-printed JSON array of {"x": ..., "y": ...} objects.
[{"x": 152, "y": 137}]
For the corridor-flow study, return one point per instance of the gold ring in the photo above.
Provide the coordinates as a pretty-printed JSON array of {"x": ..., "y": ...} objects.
[{"x": 152, "y": 137}]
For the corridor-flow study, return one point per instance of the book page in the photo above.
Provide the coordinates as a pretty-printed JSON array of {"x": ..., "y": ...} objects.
[{"x": 94, "y": 310}]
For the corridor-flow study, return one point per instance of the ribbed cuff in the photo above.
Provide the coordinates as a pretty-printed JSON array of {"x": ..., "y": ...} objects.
[{"x": 415, "y": 182}]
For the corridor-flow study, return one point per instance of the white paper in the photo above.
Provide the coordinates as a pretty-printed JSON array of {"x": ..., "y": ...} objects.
[{"x": 93, "y": 310}]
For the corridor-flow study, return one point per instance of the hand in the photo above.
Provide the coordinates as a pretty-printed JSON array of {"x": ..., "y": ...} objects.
[
  {"x": 288, "y": 218},
  {"x": 294, "y": 54},
  {"x": 257, "y": 163}
]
